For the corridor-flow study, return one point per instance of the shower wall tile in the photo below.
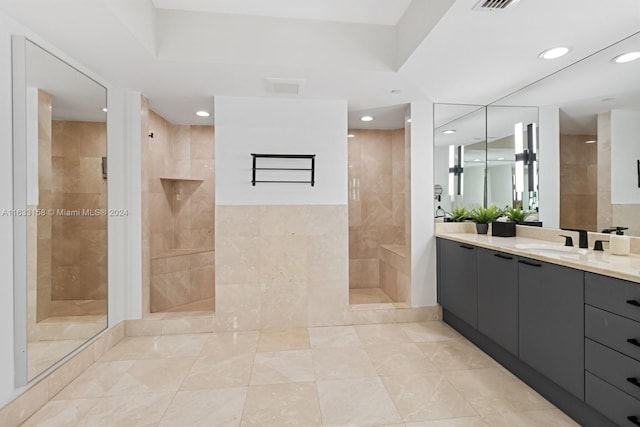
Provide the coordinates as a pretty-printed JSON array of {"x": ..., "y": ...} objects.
[
  {"x": 605, "y": 214},
  {"x": 281, "y": 266},
  {"x": 181, "y": 214},
  {"x": 170, "y": 290},
  {"x": 202, "y": 143},
  {"x": 578, "y": 182},
  {"x": 626, "y": 216},
  {"x": 377, "y": 202}
]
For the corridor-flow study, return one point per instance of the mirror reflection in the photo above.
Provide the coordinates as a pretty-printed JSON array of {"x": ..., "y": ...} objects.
[
  {"x": 67, "y": 188},
  {"x": 599, "y": 120},
  {"x": 486, "y": 156}
]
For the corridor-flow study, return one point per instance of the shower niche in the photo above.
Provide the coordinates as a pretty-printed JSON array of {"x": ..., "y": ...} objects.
[{"x": 179, "y": 207}]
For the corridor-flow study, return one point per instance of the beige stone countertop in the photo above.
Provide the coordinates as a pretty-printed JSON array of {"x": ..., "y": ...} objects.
[{"x": 621, "y": 267}]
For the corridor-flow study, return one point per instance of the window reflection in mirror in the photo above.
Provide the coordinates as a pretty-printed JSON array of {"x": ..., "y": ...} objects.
[{"x": 67, "y": 237}]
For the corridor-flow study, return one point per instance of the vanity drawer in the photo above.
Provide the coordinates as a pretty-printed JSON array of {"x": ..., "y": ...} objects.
[
  {"x": 613, "y": 367},
  {"x": 613, "y": 331},
  {"x": 614, "y": 295},
  {"x": 614, "y": 404}
]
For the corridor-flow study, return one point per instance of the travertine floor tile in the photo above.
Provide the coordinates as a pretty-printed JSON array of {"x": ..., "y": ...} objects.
[
  {"x": 458, "y": 354},
  {"x": 283, "y": 367},
  {"x": 334, "y": 337},
  {"x": 399, "y": 359},
  {"x": 451, "y": 422},
  {"x": 381, "y": 334},
  {"x": 429, "y": 331},
  {"x": 127, "y": 377},
  {"x": 420, "y": 374},
  {"x": 153, "y": 347},
  {"x": 229, "y": 343},
  {"x": 342, "y": 363},
  {"x": 356, "y": 402},
  {"x": 547, "y": 417},
  {"x": 220, "y": 372},
  {"x": 277, "y": 405},
  {"x": 138, "y": 410},
  {"x": 426, "y": 397},
  {"x": 492, "y": 391},
  {"x": 280, "y": 340},
  {"x": 206, "y": 408}
]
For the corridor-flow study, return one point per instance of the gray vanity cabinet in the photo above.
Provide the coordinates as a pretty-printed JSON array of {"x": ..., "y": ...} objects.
[
  {"x": 551, "y": 322},
  {"x": 498, "y": 298},
  {"x": 458, "y": 279}
]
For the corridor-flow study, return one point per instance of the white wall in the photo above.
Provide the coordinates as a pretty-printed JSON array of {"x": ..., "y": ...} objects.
[
  {"x": 625, "y": 152},
  {"x": 280, "y": 126},
  {"x": 441, "y": 176},
  {"x": 423, "y": 242},
  {"x": 499, "y": 186},
  {"x": 124, "y": 190},
  {"x": 549, "y": 170},
  {"x": 473, "y": 187}
]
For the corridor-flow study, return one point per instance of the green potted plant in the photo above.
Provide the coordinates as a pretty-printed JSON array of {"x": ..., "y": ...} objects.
[
  {"x": 516, "y": 215},
  {"x": 459, "y": 214},
  {"x": 483, "y": 216}
]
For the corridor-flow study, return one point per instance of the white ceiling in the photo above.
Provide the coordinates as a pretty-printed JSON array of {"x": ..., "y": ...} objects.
[
  {"x": 382, "y": 12},
  {"x": 182, "y": 53}
]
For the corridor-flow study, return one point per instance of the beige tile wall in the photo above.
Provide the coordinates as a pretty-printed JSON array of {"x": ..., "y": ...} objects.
[
  {"x": 178, "y": 212},
  {"x": 281, "y": 266},
  {"x": 79, "y": 249},
  {"x": 605, "y": 217},
  {"x": 181, "y": 213},
  {"x": 578, "y": 182},
  {"x": 40, "y": 254},
  {"x": 376, "y": 200},
  {"x": 181, "y": 279}
]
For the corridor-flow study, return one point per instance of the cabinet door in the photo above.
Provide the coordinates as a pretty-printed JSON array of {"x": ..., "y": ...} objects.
[
  {"x": 498, "y": 298},
  {"x": 458, "y": 276},
  {"x": 551, "y": 322}
]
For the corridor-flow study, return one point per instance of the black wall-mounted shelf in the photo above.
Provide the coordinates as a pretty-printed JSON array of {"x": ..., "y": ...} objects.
[{"x": 310, "y": 169}]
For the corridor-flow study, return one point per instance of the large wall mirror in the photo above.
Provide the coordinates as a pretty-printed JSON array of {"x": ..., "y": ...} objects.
[
  {"x": 486, "y": 155},
  {"x": 598, "y": 98},
  {"x": 60, "y": 208},
  {"x": 599, "y": 120}
]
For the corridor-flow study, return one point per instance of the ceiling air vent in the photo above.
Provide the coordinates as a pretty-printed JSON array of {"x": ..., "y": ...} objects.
[
  {"x": 285, "y": 86},
  {"x": 494, "y": 5}
]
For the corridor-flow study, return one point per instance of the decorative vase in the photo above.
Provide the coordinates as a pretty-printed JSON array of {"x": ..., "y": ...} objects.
[{"x": 482, "y": 228}]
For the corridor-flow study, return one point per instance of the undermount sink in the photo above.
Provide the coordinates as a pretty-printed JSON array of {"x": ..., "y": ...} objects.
[{"x": 550, "y": 249}]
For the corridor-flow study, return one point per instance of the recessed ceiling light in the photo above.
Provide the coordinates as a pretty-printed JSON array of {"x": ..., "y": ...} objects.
[
  {"x": 351, "y": 135},
  {"x": 202, "y": 113},
  {"x": 449, "y": 131},
  {"x": 408, "y": 120},
  {"x": 366, "y": 118},
  {"x": 476, "y": 160},
  {"x": 500, "y": 158},
  {"x": 104, "y": 109},
  {"x": 554, "y": 52},
  {"x": 626, "y": 57},
  {"x": 591, "y": 141},
  {"x": 395, "y": 91}
]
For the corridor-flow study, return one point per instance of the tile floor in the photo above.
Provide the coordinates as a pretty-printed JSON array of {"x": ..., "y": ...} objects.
[
  {"x": 406, "y": 374},
  {"x": 368, "y": 296}
]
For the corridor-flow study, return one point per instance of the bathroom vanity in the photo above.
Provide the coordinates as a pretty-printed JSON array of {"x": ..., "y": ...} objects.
[{"x": 564, "y": 320}]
